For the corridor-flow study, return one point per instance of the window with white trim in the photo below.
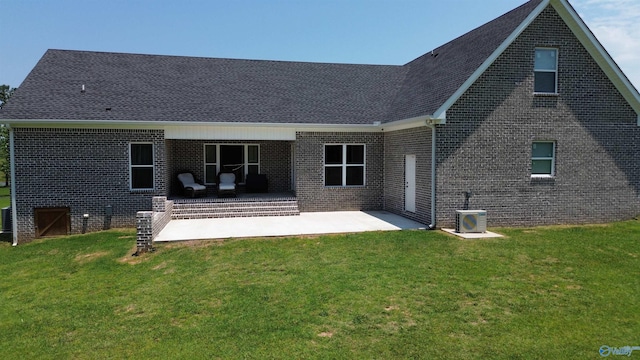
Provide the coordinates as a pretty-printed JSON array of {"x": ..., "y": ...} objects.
[
  {"x": 141, "y": 166},
  {"x": 545, "y": 70},
  {"x": 210, "y": 163},
  {"x": 543, "y": 158},
  {"x": 344, "y": 165}
]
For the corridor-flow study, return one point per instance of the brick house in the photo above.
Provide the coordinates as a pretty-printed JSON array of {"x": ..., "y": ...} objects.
[{"x": 528, "y": 113}]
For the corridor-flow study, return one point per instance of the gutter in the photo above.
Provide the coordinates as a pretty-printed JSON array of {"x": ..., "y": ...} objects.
[
  {"x": 431, "y": 123},
  {"x": 159, "y": 125},
  {"x": 14, "y": 212},
  {"x": 432, "y": 226}
]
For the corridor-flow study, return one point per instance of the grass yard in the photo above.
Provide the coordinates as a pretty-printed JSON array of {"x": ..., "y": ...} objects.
[
  {"x": 5, "y": 196},
  {"x": 552, "y": 293}
]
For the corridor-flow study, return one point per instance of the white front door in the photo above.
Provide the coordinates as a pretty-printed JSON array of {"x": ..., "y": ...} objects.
[{"x": 410, "y": 183}]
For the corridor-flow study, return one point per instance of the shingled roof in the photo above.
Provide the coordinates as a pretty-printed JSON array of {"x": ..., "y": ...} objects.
[
  {"x": 171, "y": 88},
  {"x": 435, "y": 76},
  {"x": 151, "y": 88}
]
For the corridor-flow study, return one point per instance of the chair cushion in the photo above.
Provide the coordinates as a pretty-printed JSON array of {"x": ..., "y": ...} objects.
[
  {"x": 186, "y": 178},
  {"x": 223, "y": 186},
  {"x": 195, "y": 186},
  {"x": 228, "y": 178}
]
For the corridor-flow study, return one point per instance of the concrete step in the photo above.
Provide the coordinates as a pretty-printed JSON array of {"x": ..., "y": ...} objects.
[
  {"x": 231, "y": 204},
  {"x": 227, "y": 209},
  {"x": 232, "y": 215}
]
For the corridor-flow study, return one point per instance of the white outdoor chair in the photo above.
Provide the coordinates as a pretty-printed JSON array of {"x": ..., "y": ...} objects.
[
  {"x": 190, "y": 187},
  {"x": 227, "y": 184}
]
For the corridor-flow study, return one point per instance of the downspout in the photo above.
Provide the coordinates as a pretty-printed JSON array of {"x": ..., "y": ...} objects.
[
  {"x": 12, "y": 160},
  {"x": 432, "y": 126}
]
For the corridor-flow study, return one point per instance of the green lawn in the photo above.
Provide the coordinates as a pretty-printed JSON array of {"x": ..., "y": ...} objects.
[{"x": 540, "y": 293}]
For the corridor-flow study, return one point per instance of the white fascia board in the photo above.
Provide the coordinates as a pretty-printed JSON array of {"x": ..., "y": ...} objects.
[
  {"x": 192, "y": 127},
  {"x": 410, "y": 123},
  {"x": 207, "y": 132},
  {"x": 414, "y": 122},
  {"x": 441, "y": 112},
  {"x": 82, "y": 124},
  {"x": 599, "y": 53}
]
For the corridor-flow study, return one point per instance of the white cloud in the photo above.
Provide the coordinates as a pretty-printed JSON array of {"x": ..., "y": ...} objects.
[{"x": 616, "y": 23}]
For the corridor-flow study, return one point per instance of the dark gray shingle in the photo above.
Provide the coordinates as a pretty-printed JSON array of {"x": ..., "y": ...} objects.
[
  {"x": 171, "y": 88},
  {"x": 433, "y": 79}
]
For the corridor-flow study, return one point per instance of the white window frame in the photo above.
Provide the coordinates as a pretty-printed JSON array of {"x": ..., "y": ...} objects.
[
  {"x": 245, "y": 159},
  {"x": 344, "y": 165},
  {"x": 216, "y": 163},
  {"x": 555, "y": 71},
  {"x": 132, "y": 166},
  {"x": 552, "y": 158}
]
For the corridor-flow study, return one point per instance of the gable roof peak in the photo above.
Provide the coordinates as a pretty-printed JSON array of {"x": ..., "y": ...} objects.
[{"x": 435, "y": 79}]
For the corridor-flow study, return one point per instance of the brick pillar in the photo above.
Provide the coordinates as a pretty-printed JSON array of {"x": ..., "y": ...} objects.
[
  {"x": 144, "y": 226},
  {"x": 159, "y": 203}
]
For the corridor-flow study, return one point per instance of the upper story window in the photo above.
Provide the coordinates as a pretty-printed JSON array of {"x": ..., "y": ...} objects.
[
  {"x": 543, "y": 158},
  {"x": 344, "y": 165},
  {"x": 546, "y": 71},
  {"x": 141, "y": 166}
]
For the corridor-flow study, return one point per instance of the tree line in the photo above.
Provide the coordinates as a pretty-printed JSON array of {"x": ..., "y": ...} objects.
[{"x": 5, "y": 158}]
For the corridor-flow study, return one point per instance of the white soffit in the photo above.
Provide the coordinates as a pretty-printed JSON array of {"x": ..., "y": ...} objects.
[
  {"x": 204, "y": 132},
  {"x": 258, "y": 132},
  {"x": 411, "y": 123}
]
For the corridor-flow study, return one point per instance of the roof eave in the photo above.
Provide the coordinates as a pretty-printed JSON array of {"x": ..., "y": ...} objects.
[{"x": 136, "y": 124}]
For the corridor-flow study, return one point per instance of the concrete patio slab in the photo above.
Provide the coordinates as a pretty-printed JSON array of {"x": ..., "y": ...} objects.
[
  {"x": 484, "y": 235},
  {"x": 304, "y": 224}
]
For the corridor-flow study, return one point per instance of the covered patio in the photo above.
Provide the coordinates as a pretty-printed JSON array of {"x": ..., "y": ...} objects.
[
  {"x": 206, "y": 156},
  {"x": 309, "y": 223}
]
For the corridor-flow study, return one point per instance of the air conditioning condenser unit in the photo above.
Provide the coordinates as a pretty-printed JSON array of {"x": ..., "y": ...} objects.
[{"x": 471, "y": 221}]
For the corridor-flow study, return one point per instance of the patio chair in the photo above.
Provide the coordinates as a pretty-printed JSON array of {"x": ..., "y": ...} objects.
[
  {"x": 189, "y": 186},
  {"x": 227, "y": 184}
]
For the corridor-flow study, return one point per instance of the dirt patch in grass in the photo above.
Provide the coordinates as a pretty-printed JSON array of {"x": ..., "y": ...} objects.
[
  {"x": 129, "y": 258},
  {"x": 131, "y": 310},
  {"x": 566, "y": 226},
  {"x": 85, "y": 258},
  {"x": 162, "y": 265},
  {"x": 193, "y": 243}
]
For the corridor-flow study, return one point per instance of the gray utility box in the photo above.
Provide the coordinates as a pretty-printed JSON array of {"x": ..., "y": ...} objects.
[
  {"x": 6, "y": 219},
  {"x": 471, "y": 221}
]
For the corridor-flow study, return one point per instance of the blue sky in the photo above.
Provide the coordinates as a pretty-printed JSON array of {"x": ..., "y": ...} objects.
[{"x": 342, "y": 31}]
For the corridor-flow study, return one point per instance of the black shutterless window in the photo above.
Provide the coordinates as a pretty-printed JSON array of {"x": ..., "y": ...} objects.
[{"x": 141, "y": 163}]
